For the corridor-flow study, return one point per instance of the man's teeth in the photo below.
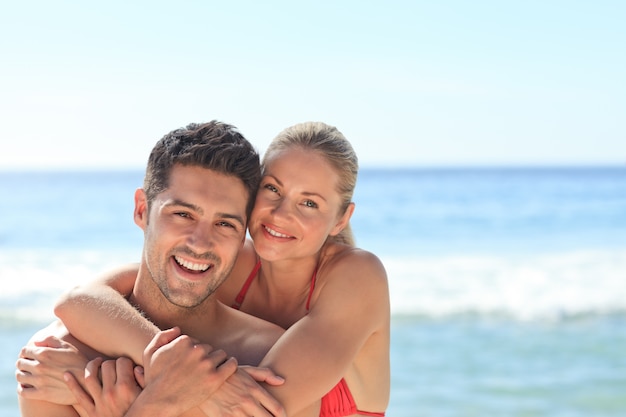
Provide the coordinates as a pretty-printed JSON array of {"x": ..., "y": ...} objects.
[
  {"x": 191, "y": 265},
  {"x": 275, "y": 233}
]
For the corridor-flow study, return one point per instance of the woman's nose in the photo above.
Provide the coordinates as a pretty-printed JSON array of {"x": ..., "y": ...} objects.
[{"x": 282, "y": 208}]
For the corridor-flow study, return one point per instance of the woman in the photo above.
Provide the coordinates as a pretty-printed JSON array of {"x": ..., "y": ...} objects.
[{"x": 300, "y": 271}]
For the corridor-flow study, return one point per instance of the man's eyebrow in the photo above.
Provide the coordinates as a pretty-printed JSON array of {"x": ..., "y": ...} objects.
[
  {"x": 176, "y": 202},
  {"x": 235, "y": 217},
  {"x": 197, "y": 209}
]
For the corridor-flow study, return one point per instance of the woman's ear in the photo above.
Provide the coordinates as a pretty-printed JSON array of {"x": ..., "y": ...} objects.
[
  {"x": 343, "y": 220},
  {"x": 141, "y": 208}
]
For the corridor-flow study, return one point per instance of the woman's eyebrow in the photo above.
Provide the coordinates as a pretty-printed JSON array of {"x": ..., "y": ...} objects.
[{"x": 305, "y": 193}]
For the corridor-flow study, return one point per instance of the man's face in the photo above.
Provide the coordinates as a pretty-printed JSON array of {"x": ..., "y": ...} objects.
[{"x": 193, "y": 233}]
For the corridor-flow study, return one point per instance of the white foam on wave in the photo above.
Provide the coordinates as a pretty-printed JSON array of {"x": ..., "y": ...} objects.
[
  {"x": 32, "y": 281},
  {"x": 552, "y": 285}
]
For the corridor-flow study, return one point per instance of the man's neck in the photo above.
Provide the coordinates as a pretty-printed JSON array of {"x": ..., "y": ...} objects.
[{"x": 147, "y": 297}]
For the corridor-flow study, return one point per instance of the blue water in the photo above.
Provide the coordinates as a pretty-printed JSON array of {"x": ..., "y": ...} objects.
[{"x": 508, "y": 285}]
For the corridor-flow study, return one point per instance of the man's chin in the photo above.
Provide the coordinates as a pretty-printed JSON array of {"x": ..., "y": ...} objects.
[{"x": 186, "y": 300}]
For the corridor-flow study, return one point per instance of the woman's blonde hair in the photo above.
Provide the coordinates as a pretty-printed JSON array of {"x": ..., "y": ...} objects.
[{"x": 330, "y": 143}]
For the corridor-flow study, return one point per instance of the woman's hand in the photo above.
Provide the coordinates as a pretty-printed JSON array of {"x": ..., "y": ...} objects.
[
  {"x": 241, "y": 395},
  {"x": 40, "y": 370}
]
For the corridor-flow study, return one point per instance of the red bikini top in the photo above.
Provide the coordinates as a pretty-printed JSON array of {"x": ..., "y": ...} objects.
[{"x": 246, "y": 286}]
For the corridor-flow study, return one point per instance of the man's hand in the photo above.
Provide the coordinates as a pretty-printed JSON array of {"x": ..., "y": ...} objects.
[
  {"x": 112, "y": 396},
  {"x": 182, "y": 373},
  {"x": 241, "y": 395},
  {"x": 40, "y": 370}
]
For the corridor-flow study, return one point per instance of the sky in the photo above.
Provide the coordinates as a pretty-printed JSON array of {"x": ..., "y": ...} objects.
[{"x": 409, "y": 83}]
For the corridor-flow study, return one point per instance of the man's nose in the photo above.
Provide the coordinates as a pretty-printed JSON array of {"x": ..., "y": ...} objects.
[{"x": 201, "y": 238}]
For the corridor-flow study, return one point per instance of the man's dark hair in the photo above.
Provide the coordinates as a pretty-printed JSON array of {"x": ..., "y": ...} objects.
[{"x": 214, "y": 145}]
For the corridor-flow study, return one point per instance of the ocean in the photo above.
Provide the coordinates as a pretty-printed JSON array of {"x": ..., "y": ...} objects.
[{"x": 508, "y": 285}]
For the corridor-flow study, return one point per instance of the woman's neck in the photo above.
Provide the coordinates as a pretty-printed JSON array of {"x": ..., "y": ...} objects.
[{"x": 283, "y": 290}]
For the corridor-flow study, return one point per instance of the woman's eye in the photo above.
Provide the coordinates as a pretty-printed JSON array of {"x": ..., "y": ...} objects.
[
  {"x": 271, "y": 188},
  {"x": 310, "y": 203}
]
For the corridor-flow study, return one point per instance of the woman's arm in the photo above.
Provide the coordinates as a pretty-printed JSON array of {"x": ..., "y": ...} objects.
[
  {"x": 313, "y": 355},
  {"x": 352, "y": 309},
  {"x": 96, "y": 311},
  {"x": 44, "y": 394}
]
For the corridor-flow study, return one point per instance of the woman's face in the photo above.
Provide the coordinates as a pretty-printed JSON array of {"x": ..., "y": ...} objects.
[{"x": 297, "y": 206}]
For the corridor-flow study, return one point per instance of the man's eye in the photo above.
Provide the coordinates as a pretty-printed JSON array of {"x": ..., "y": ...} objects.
[
  {"x": 226, "y": 224},
  {"x": 182, "y": 214},
  {"x": 271, "y": 188}
]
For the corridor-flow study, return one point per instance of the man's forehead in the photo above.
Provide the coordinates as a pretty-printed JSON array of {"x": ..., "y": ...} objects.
[{"x": 205, "y": 190}]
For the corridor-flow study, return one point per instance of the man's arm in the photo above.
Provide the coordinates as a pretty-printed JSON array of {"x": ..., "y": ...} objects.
[
  {"x": 176, "y": 373},
  {"x": 109, "y": 395},
  {"x": 179, "y": 374}
]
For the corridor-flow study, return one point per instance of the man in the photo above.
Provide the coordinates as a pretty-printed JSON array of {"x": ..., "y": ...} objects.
[{"x": 198, "y": 194}]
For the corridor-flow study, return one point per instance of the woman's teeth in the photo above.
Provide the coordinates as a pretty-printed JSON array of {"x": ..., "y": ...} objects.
[{"x": 275, "y": 233}]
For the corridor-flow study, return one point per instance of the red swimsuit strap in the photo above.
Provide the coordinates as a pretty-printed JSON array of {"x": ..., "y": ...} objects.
[
  {"x": 308, "y": 300},
  {"x": 246, "y": 285}
]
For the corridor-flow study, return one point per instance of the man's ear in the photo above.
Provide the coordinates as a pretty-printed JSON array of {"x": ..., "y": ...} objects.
[
  {"x": 141, "y": 208},
  {"x": 343, "y": 220}
]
